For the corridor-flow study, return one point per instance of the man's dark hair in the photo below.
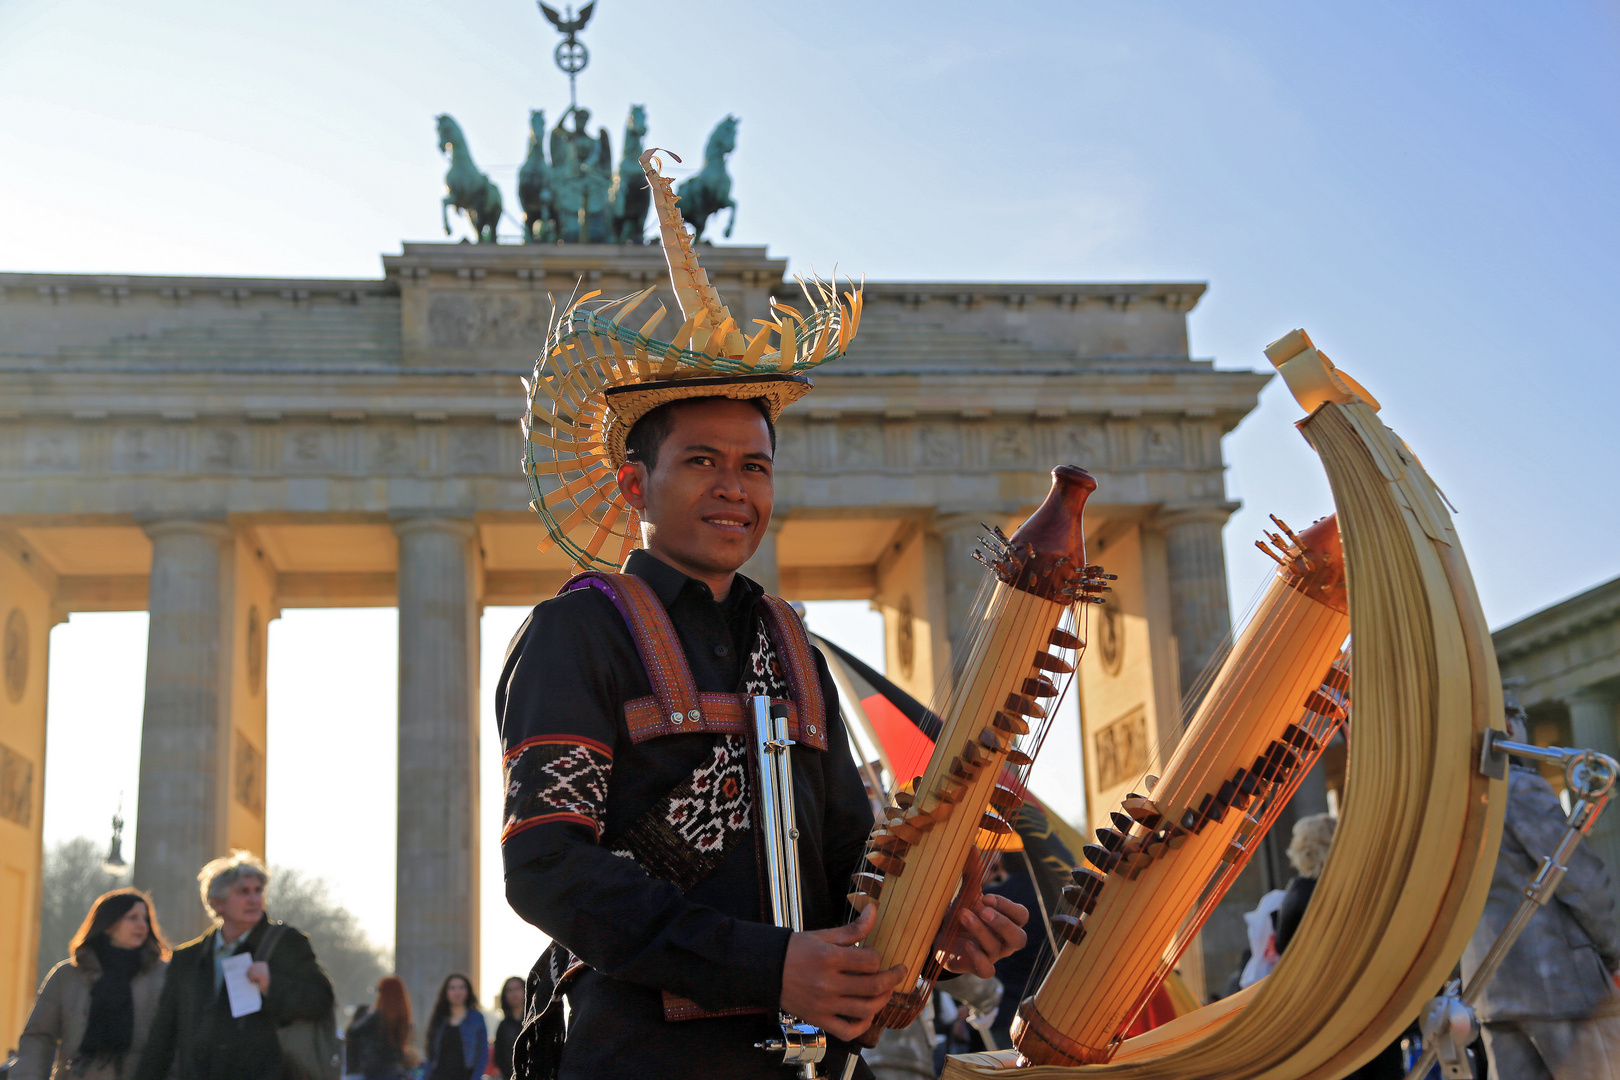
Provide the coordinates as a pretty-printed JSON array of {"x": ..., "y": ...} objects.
[{"x": 642, "y": 444}]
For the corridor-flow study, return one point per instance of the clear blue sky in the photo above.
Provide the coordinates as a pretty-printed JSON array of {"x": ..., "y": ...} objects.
[{"x": 1428, "y": 189}]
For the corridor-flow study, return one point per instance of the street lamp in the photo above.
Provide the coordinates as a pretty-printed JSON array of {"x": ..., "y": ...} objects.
[{"x": 115, "y": 864}]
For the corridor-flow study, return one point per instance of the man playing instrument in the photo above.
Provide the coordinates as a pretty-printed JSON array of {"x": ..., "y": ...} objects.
[
  {"x": 631, "y": 831},
  {"x": 698, "y": 473}
]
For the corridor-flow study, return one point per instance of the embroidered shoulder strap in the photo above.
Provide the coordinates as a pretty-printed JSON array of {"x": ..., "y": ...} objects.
[
  {"x": 673, "y": 687},
  {"x": 675, "y": 706},
  {"x": 798, "y": 656}
]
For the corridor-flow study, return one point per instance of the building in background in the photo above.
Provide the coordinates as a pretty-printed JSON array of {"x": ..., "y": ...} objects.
[
  {"x": 1563, "y": 663},
  {"x": 214, "y": 450}
]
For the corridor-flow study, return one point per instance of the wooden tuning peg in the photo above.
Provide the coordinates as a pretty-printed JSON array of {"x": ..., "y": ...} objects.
[
  {"x": 1024, "y": 706},
  {"x": 1011, "y": 723},
  {"x": 887, "y": 865},
  {"x": 1064, "y": 640},
  {"x": 1067, "y": 928},
  {"x": 1039, "y": 686},
  {"x": 868, "y": 883},
  {"x": 1047, "y": 662}
]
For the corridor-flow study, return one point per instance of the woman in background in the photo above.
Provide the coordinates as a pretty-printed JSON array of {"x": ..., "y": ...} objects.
[
  {"x": 506, "y": 1032},
  {"x": 457, "y": 1043},
  {"x": 96, "y": 1007},
  {"x": 378, "y": 1045}
]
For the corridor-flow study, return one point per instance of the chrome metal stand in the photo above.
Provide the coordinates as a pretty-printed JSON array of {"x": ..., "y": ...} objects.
[
  {"x": 1591, "y": 776},
  {"x": 801, "y": 1045}
]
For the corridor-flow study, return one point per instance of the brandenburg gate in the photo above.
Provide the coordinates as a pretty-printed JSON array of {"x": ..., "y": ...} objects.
[{"x": 216, "y": 450}]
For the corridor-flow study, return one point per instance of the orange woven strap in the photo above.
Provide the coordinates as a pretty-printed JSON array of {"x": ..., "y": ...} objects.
[
  {"x": 724, "y": 713},
  {"x": 675, "y": 707},
  {"x": 798, "y": 656}
]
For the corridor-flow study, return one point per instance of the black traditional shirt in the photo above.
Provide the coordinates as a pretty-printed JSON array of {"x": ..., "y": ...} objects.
[{"x": 577, "y": 782}]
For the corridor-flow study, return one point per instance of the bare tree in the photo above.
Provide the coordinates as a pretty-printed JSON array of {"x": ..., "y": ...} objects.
[
  {"x": 73, "y": 878},
  {"x": 350, "y": 958}
]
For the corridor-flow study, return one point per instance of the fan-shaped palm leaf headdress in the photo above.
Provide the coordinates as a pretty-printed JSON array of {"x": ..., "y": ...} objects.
[{"x": 599, "y": 375}]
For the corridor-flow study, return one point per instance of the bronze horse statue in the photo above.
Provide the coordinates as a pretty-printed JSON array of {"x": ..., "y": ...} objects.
[
  {"x": 467, "y": 189},
  {"x": 708, "y": 191},
  {"x": 631, "y": 198},
  {"x": 534, "y": 185}
]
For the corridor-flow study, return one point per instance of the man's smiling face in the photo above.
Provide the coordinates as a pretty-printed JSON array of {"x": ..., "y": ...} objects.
[{"x": 707, "y": 499}]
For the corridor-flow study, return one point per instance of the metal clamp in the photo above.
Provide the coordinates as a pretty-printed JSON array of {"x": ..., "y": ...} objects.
[
  {"x": 1591, "y": 777},
  {"x": 1451, "y": 1027}
]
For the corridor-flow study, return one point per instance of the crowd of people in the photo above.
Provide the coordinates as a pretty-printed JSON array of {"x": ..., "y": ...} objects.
[{"x": 247, "y": 1000}]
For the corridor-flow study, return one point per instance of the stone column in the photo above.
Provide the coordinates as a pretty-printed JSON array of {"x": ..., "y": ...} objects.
[
  {"x": 1593, "y": 727},
  {"x": 1200, "y": 615},
  {"x": 436, "y": 875},
  {"x": 763, "y": 567},
  {"x": 964, "y": 575},
  {"x": 185, "y": 731}
]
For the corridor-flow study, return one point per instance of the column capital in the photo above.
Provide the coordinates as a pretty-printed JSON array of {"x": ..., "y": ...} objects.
[
  {"x": 970, "y": 519},
  {"x": 1172, "y": 514},
  {"x": 454, "y": 526},
  {"x": 1591, "y": 695},
  {"x": 214, "y": 529}
]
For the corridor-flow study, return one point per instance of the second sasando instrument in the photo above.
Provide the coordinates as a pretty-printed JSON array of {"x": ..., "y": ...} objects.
[{"x": 1176, "y": 849}]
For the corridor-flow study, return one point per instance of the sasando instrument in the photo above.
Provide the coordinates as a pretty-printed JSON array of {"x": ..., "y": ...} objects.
[{"x": 922, "y": 856}]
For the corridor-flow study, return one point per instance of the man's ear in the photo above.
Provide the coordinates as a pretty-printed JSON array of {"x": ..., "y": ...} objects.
[{"x": 632, "y": 478}]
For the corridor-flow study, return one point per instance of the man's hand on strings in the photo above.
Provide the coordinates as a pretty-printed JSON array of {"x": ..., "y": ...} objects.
[
  {"x": 828, "y": 982},
  {"x": 984, "y": 933}
]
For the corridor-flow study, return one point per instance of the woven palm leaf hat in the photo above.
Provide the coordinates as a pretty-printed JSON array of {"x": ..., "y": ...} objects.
[{"x": 600, "y": 374}]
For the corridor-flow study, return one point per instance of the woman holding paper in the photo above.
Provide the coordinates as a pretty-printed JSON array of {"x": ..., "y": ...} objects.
[
  {"x": 457, "y": 1038},
  {"x": 96, "y": 1007}
]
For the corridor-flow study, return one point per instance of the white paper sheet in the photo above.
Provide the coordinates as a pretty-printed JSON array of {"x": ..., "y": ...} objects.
[{"x": 243, "y": 995}]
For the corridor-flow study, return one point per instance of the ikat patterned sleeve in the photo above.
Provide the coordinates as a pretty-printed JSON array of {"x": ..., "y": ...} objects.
[
  {"x": 558, "y": 727},
  {"x": 552, "y": 778}
]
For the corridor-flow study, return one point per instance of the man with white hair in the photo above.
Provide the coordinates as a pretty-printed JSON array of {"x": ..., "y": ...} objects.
[{"x": 198, "y": 1034}]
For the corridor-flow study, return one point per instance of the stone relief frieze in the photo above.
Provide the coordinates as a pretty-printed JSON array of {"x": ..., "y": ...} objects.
[
  {"x": 1084, "y": 443},
  {"x": 306, "y": 449},
  {"x": 144, "y": 450},
  {"x": 222, "y": 450},
  {"x": 464, "y": 320},
  {"x": 1161, "y": 442},
  {"x": 860, "y": 445},
  {"x": 1012, "y": 444},
  {"x": 51, "y": 451},
  {"x": 939, "y": 446},
  {"x": 392, "y": 451},
  {"x": 471, "y": 451}
]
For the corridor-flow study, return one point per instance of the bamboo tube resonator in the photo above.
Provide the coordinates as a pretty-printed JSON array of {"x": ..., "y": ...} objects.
[
  {"x": 923, "y": 851},
  {"x": 1146, "y": 874}
]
